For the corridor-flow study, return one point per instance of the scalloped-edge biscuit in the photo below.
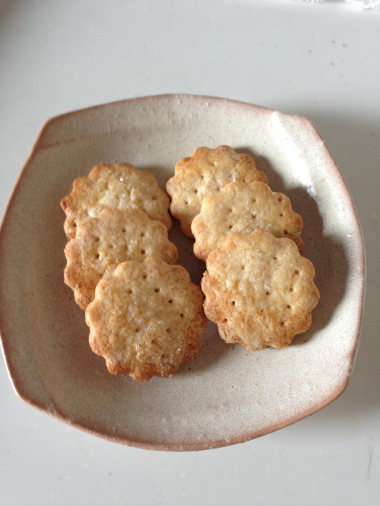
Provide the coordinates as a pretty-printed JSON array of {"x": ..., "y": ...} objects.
[
  {"x": 243, "y": 208},
  {"x": 259, "y": 290},
  {"x": 207, "y": 171},
  {"x": 146, "y": 319},
  {"x": 118, "y": 186},
  {"x": 112, "y": 238}
]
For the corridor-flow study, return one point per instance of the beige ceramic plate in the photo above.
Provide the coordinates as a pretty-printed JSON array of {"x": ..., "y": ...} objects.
[{"x": 226, "y": 395}]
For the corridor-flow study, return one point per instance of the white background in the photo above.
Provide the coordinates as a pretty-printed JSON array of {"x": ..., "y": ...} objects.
[{"x": 318, "y": 60}]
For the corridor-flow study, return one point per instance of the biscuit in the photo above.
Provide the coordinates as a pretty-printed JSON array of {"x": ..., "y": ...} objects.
[
  {"x": 114, "y": 186},
  {"x": 146, "y": 319},
  {"x": 259, "y": 290},
  {"x": 113, "y": 237},
  {"x": 242, "y": 208},
  {"x": 206, "y": 171}
]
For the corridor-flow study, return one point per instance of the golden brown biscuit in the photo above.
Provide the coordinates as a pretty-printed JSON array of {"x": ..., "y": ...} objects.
[
  {"x": 114, "y": 186},
  {"x": 146, "y": 319},
  {"x": 113, "y": 237},
  {"x": 259, "y": 290},
  {"x": 242, "y": 208},
  {"x": 207, "y": 171}
]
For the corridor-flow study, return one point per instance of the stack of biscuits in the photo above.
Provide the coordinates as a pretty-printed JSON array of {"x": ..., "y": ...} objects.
[
  {"x": 259, "y": 289},
  {"x": 145, "y": 315}
]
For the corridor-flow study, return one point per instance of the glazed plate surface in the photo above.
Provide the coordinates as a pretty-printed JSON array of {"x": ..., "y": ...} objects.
[{"x": 226, "y": 395}]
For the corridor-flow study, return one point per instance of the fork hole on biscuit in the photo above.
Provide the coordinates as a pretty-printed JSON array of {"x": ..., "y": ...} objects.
[
  {"x": 233, "y": 302},
  {"x": 296, "y": 272},
  {"x": 170, "y": 301},
  {"x": 97, "y": 239},
  {"x": 154, "y": 197},
  {"x": 288, "y": 306},
  {"x": 156, "y": 290},
  {"x": 145, "y": 276},
  {"x": 143, "y": 252},
  {"x": 129, "y": 290},
  {"x": 142, "y": 234},
  {"x": 97, "y": 256},
  {"x": 285, "y": 232},
  {"x": 123, "y": 230},
  {"x": 182, "y": 315},
  {"x": 267, "y": 293}
]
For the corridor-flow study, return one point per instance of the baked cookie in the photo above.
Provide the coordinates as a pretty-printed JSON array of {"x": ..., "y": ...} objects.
[
  {"x": 207, "y": 171},
  {"x": 113, "y": 237},
  {"x": 259, "y": 290},
  {"x": 242, "y": 208},
  {"x": 114, "y": 186},
  {"x": 146, "y": 319}
]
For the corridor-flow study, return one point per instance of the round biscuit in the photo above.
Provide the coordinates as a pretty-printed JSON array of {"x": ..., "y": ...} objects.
[
  {"x": 114, "y": 186},
  {"x": 113, "y": 237},
  {"x": 259, "y": 290},
  {"x": 242, "y": 208},
  {"x": 207, "y": 171},
  {"x": 146, "y": 319}
]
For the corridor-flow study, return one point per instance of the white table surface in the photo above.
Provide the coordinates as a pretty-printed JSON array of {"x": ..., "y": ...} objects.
[{"x": 318, "y": 60}]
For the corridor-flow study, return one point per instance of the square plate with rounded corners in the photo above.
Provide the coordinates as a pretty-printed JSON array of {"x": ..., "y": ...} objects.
[{"x": 226, "y": 395}]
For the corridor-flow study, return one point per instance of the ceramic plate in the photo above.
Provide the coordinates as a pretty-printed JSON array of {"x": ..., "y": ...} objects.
[{"x": 226, "y": 395}]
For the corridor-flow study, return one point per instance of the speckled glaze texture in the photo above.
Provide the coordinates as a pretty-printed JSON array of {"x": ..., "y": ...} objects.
[{"x": 226, "y": 395}]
